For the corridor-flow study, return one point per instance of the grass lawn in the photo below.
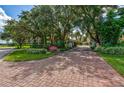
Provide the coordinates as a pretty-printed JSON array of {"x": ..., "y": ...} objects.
[
  {"x": 5, "y": 46},
  {"x": 116, "y": 61},
  {"x": 22, "y": 55}
]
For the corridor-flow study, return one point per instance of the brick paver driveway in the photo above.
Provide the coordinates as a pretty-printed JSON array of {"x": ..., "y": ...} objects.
[{"x": 78, "y": 67}]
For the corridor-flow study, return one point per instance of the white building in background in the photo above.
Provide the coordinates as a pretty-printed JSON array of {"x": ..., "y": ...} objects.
[
  {"x": 3, "y": 18},
  {"x": 5, "y": 42}
]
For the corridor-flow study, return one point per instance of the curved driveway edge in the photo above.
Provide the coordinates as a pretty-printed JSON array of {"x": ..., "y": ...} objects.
[{"x": 5, "y": 51}]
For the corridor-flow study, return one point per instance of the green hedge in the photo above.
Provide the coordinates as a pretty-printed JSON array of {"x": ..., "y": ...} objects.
[
  {"x": 111, "y": 50},
  {"x": 36, "y": 51}
]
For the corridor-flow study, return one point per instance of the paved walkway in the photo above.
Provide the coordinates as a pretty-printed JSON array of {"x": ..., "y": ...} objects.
[{"x": 77, "y": 68}]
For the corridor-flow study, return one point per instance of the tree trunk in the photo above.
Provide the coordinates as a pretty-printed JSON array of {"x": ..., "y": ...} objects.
[{"x": 20, "y": 45}]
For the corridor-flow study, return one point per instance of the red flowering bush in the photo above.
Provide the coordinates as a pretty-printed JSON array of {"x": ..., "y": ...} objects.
[{"x": 52, "y": 48}]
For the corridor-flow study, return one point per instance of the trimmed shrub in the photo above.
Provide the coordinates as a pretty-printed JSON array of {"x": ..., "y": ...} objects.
[
  {"x": 37, "y": 51},
  {"x": 111, "y": 50}
]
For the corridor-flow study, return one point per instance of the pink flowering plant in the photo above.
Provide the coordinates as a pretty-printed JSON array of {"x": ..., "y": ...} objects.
[{"x": 53, "y": 48}]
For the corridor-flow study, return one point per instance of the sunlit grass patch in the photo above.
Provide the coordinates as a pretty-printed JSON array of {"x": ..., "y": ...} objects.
[{"x": 23, "y": 55}]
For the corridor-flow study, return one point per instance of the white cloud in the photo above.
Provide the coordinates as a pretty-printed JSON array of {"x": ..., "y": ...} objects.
[
  {"x": 3, "y": 18},
  {"x": 3, "y": 15}
]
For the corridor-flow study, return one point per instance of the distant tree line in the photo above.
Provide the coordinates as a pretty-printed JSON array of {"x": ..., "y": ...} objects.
[{"x": 46, "y": 25}]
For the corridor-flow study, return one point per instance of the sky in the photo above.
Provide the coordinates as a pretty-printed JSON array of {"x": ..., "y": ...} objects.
[
  {"x": 14, "y": 10},
  {"x": 8, "y": 12}
]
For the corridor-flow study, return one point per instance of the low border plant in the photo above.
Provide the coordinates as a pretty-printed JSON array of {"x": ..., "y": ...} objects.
[{"x": 110, "y": 50}]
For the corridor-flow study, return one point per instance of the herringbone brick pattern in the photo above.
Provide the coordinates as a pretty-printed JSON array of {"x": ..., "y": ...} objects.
[{"x": 79, "y": 67}]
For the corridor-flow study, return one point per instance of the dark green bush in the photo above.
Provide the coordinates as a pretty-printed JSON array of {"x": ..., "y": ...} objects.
[
  {"x": 111, "y": 50},
  {"x": 109, "y": 30},
  {"x": 60, "y": 44},
  {"x": 121, "y": 43}
]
